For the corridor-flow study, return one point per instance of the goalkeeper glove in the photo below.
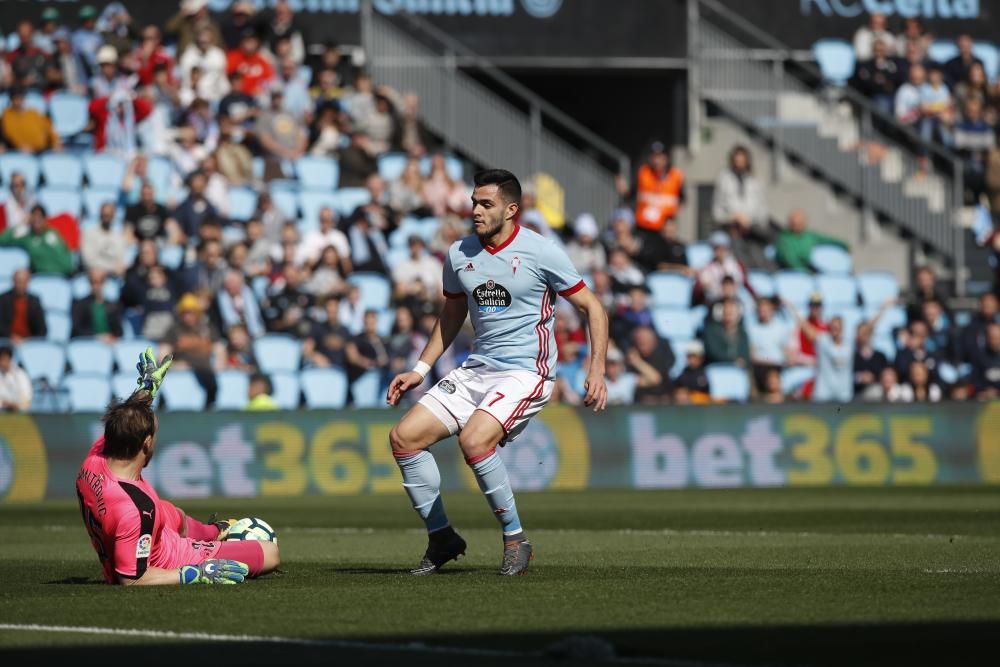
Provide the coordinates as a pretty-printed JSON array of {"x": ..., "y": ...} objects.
[
  {"x": 215, "y": 571},
  {"x": 150, "y": 373}
]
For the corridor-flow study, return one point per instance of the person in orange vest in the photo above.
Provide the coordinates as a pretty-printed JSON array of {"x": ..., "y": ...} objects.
[{"x": 659, "y": 190}]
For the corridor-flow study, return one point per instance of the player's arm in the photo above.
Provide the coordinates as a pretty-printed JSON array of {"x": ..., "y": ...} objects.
[
  {"x": 449, "y": 323},
  {"x": 211, "y": 571},
  {"x": 597, "y": 324}
]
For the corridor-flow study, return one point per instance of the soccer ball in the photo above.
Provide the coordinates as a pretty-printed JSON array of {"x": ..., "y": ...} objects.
[{"x": 252, "y": 528}]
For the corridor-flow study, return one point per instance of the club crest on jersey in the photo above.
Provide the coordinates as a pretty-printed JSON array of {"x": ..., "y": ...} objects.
[
  {"x": 515, "y": 264},
  {"x": 492, "y": 297},
  {"x": 469, "y": 267},
  {"x": 447, "y": 386},
  {"x": 143, "y": 546}
]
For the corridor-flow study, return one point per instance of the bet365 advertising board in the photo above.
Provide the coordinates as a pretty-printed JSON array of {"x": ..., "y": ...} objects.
[{"x": 347, "y": 452}]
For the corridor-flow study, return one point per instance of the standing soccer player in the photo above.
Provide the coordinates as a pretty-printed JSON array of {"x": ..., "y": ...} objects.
[{"x": 507, "y": 277}]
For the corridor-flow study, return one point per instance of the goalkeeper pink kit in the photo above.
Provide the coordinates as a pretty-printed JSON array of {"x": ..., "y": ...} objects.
[{"x": 132, "y": 529}]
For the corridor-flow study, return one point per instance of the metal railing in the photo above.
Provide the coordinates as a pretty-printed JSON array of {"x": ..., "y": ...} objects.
[
  {"x": 518, "y": 131},
  {"x": 886, "y": 166}
]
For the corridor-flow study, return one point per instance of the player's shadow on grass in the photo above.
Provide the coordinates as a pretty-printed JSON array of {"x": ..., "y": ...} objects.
[
  {"x": 77, "y": 581},
  {"x": 393, "y": 570}
]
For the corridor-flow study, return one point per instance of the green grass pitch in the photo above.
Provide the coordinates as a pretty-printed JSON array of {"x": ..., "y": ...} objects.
[{"x": 781, "y": 576}]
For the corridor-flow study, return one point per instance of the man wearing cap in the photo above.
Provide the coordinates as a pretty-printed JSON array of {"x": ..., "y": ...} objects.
[
  {"x": 584, "y": 251},
  {"x": 86, "y": 40},
  {"x": 15, "y": 385},
  {"x": 691, "y": 386},
  {"x": 794, "y": 245},
  {"x": 193, "y": 342},
  {"x": 107, "y": 79},
  {"x": 26, "y": 130},
  {"x": 708, "y": 288},
  {"x": 45, "y": 38},
  {"x": 659, "y": 190}
]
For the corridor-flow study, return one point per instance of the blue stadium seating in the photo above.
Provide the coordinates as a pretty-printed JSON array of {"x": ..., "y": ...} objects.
[
  {"x": 324, "y": 387},
  {"x": 376, "y": 289},
  {"x": 794, "y": 377},
  {"x": 311, "y": 203},
  {"x": 408, "y": 227},
  {"x": 87, "y": 393},
  {"x": 837, "y": 290},
  {"x": 727, "y": 382},
  {"x": 11, "y": 260},
  {"x": 160, "y": 174},
  {"x": 386, "y": 320},
  {"x": 242, "y": 203},
  {"x": 892, "y": 319},
  {"x": 679, "y": 347},
  {"x": 452, "y": 165},
  {"x": 391, "y": 165},
  {"x": 836, "y": 60},
  {"x": 794, "y": 286},
  {"x": 367, "y": 390},
  {"x": 42, "y": 359},
  {"x": 987, "y": 52},
  {"x": 94, "y": 198},
  {"x": 669, "y": 289},
  {"x": 347, "y": 199},
  {"x": 35, "y": 100},
  {"x": 318, "y": 173},
  {"x": 698, "y": 254},
  {"x": 53, "y": 291},
  {"x": 942, "y": 50},
  {"x": 277, "y": 352},
  {"x": 90, "y": 356},
  {"x": 59, "y": 325},
  {"x": 58, "y": 201},
  {"x": 61, "y": 170},
  {"x": 127, "y": 354},
  {"x": 401, "y": 254},
  {"x": 671, "y": 323},
  {"x": 762, "y": 283},
  {"x": 24, "y": 163},
  {"x": 183, "y": 392},
  {"x": 947, "y": 373},
  {"x": 287, "y": 202},
  {"x": 172, "y": 256},
  {"x": 104, "y": 170},
  {"x": 831, "y": 259},
  {"x": 69, "y": 113},
  {"x": 885, "y": 344},
  {"x": 877, "y": 287},
  {"x": 287, "y": 393},
  {"x": 259, "y": 285},
  {"x": 233, "y": 387}
]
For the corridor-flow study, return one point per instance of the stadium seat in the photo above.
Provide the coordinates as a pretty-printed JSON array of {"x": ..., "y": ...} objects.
[
  {"x": 324, "y": 388},
  {"x": 947, "y": 373},
  {"x": 885, "y": 344},
  {"x": 104, "y": 170},
  {"x": 12, "y": 260},
  {"x": 345, "y": 200},
  {"x": 836, "y": 60},
  {"x": 42, "y": 359},
  {"x": 80, "y": 287},
  {"x": 762, "y": 283},
  {"x": 794, "y": 286},
  {"x": 408, "y": 227},
  {"x": 35, "y": 100},
  {"x": 172, "y": 256},
  {"x": 23, "y": 163},
  {"x": 123, "y": 385},
  {"x": 183, "y": 392},
  {"x": 452, "y": 165},
  {"x": 160, "y": 174},
  {"x": 61, "y": 170},
  {"x": 90, "y": 356},
  {"x": 87, "y": 393},
  {"x": 233, "y": 389},
  {"x": 877, "y": 287},
  {"x": 391, "y": 165},
  {"x": 942, "y": 50},
  {"x": 366, "y": 390},
  {"x": 987, "y": 52},
  {"x": 395, "y": 255},
  {"x": 242, "y": 203},
  {"x": 679, "y": 348},
  {"x": 794, "y": 377},
  {"x": 830, "y": 259},
  {"x": 58, "y": 201},
  {"x": 669, "y": 289},
  {"x": 59, "y": 326},
  {"x": 727, "y": 382},
  {"x": 52, "y": 290},
  {"x": 375, "y": 289},
  {"x": 277, "y": 352},
  {"x": 287, "y": 393},
  {"x": 318, "y": 173},
  {"x": 286, "y": 202},
  {"x": 698, "y": 255},
  {"x": 311, "y": 203},
  {"x": 69, "y": 113},
  {"x": 127, "y": 354},
  {"x": 675, "y": 323},
  {"x": 892, "y": 319},
  {"x": 837, "y": 290},
  {"x": 385, "y": 321},
  {"x": 94, "y": 198},
  {"x": 259, "y": 285}
]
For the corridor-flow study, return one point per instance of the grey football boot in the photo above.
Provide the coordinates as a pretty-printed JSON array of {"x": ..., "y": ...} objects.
[{"x": 517, "y": 555}]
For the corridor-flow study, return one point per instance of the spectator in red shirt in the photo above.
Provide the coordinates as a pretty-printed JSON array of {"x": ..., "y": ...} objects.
[
  {"x": 113, "y": 120},
  {"x": 150, "y": 54},
  {"x": 807, "y": 345},
  {"x": 249, "y": 61}
]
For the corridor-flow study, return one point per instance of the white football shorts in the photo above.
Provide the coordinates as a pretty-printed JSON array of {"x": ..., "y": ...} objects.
[{"x": 510, "y": 397}]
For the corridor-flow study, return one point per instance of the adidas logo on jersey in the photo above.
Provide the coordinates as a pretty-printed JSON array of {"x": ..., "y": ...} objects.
[{"x": 469, "y": 267}]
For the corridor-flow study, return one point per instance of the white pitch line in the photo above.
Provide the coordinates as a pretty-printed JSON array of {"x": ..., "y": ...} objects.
[{"x": 331, "y": 643}]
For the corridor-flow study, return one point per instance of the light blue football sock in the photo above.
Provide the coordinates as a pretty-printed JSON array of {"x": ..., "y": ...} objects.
[
  {"x": 491, "y": 473},
  {"x": 422, "y": 481}
]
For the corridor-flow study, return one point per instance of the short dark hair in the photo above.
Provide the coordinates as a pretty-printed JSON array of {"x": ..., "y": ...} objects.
[
  {"x": 263, "y": 379},
  {"x": 127, "y": 424},
  {"x": 6, "y": 350},
  {"x": 507, "y": 184}
]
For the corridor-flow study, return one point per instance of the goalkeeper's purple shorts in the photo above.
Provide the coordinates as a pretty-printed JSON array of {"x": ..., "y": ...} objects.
[{"x": 245, "y": 551}]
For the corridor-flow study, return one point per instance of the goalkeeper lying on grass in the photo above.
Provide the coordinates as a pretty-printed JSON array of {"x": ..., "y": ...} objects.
[{"x": 140, "y": 538}]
